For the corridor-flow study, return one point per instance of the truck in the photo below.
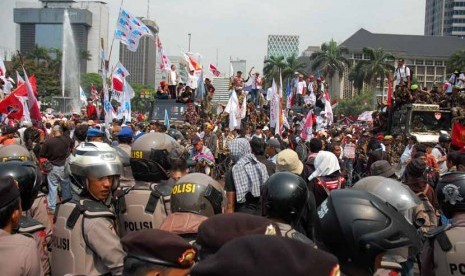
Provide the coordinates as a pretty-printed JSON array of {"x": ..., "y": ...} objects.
[{"x": 424, "y": 121}]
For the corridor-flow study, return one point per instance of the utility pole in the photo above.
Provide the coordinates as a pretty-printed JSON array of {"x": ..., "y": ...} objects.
[
  {"x": 148, "y": 9},
  {"x": 189, "y": 49}
]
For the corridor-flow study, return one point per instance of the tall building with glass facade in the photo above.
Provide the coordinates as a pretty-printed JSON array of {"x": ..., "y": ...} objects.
[
  {"x": 42, "y": 25},
  {"x": 445, "y": 17},
  {"x": 282, "y": 45}
]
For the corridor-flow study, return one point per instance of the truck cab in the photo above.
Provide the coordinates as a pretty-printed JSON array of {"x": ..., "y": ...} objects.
[{"x": 425, "y": 121}]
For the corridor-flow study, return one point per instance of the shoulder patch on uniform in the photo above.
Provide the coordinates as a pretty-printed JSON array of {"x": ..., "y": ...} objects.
[
  {"x": 94, "y": 208},
  {"x": 451, "y": 194},
  {"x": 29, "y": 225},
  {"x": 163, "y": 189},
  {"x": 436, "y": 231}
]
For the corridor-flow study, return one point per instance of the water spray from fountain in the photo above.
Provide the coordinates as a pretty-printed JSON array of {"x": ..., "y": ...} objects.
[{"x": 70, "y": 69}]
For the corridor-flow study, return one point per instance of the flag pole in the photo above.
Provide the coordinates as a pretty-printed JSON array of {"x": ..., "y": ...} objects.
[{"x": 113, "y": 40}]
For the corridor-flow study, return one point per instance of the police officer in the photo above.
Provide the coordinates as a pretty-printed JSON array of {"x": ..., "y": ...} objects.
[
  {"x": 84, "y": 239},
  {"x": 157, "y": 252},
  {"x": 28, "y": 177},
  {"x": 125, "y": 137},
  {"x": 359, "y": 228},
  {"x": 19, "y": 255},
  {"x": 287, "y": 201},
  {"x": 39, "y": 208},
  {"x": 443, "y": 253},
  {"x": 144, "y": 204},
  {"x": 194, "y": 198}
]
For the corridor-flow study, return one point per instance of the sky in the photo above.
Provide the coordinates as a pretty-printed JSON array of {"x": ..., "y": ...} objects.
[{"x": 239, "y": 28}]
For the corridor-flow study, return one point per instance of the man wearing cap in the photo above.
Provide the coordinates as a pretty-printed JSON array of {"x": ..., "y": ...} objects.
[
  {"x": 272, "y": 149},
  {"x": 210, "y": 139},
  {"x": 125, "y": 137},
  {"x": 383, "y": 168},
  {"x": 18, "y": 253},
  {"x": 157, "y": 253},
  {"x": 57, "y": 150},
  {"x": 201, "y": 153},
  {"x": 94, "y": 135}
]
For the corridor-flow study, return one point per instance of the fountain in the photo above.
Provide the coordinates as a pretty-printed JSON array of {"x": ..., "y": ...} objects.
[{"x": 70, "y": 69}]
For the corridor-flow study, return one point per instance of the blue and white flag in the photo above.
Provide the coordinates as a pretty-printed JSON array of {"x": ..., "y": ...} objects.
[
  {"x": 129, "y": 29},
  {"x": 167, "y": 120}
]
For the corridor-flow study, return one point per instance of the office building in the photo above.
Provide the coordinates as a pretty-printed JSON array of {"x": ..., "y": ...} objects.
[
  {"x": 239, "y": 65},
  {"x": 282, "y": 45},
  {"x": 445, "y": 17},
  {"x": 42, "y": 25},
  {"x": 141, "y": 64}
]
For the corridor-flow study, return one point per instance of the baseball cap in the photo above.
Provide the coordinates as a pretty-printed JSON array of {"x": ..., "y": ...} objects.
[{"x": 275, "y": 144}]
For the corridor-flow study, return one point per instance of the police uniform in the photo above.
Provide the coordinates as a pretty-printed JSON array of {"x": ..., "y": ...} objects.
[
  {"x": 34, "y": 229},
  {"x": 19, "y": 255},
  {"x": 39, "y": 212}
]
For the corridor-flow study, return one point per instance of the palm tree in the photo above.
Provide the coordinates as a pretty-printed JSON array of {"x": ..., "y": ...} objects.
[
  {"x": 330, "y": 59},
  {"x": 38, "y": 54},
  {"x": 456, "y": 61},
  {"x": 378, "y": 65},
  {"x": 272, "y": 68},
  {"x": 292, "y": 65}
]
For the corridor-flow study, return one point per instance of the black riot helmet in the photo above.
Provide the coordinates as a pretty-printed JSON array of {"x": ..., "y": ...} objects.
[
  {"x": 445, "y": 138},
  {"x": 198, "y": 193},
  {"x": 28, "y": 176},
  {"x": 150, "y": 156},
  {"x": 357, "y": 226},
  {"x": 285, "y": 196},
  {"x": 176, "y": 134},
  {"x": 450, "y": 192}
]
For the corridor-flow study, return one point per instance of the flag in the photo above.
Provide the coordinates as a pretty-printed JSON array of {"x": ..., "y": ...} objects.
[
  {"x": 279, "y": 114},
  {"x": 94, "y": 93},
  {"x": 328, "y": 108},
  {"x": 32, "y": 101},
  {"x": 118, "y": 78},
  {"x": 200, "y": 91},
  {"x": 307, "y": 130},
  {"x": 165, "y": 63},
  {"x": 125, "y": 108},
  {"x": 214, "y": 71},
  {"x": 274, "y": 91},
  {"x": 193, "y": 60},
  {"x": 232, "y": 108},
  {"x": 288, "y": 96},
  {"x": 21, "y": 90},
  {"x": 12, "y": 107},
  {"x": 20, "y": 80},
  {"x": 2, "y": 68},
  {"x": 167, "y": 120},
  {"x": 82, "y": 96},
  {"x": 129, "y": 30},
  {"x": 458, "y": 134},
  {"x": 389, "y": 94}
]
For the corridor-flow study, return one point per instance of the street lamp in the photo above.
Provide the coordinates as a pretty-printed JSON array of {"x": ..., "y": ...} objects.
[{"x": 189, "y": 34}]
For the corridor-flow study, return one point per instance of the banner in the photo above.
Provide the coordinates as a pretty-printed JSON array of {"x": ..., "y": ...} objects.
[
  {"x": 458, "y": 134},
  {"x": 12, "y": 107},
  {"x": 214, "y": 70},
  {"x": 165, "y": 63},
  {"x": 21, "y": 90},
  {"x": 193, "y": 60}
]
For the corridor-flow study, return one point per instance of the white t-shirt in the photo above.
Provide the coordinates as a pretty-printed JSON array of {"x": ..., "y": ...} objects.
[
  {"x": 401, "y": 74},
  {"x": 459, "y": 81},
  {"x": 173, "y": 78},
  {"x": 300, "y": 87},
  {"x": 192, "y": 82}
]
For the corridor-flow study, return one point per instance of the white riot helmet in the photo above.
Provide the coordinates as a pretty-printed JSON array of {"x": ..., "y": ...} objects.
[{"x": 93, "y": 160}]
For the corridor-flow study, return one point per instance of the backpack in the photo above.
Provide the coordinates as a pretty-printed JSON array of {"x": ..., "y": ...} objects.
[{"x": 425, "y": 217}]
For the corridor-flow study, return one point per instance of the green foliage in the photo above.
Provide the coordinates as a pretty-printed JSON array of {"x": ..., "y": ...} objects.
[
  {"x": 287, "y": 66},
  {"x": 456, "y": 61},
  {"x": 355, "y": 105},
  {"x": 88, "y": 79},
  {"x": 142, "y": 104},
  {"x": 330, "y": 59}
]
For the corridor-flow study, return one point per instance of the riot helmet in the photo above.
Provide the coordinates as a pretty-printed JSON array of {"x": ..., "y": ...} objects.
[
  {"x": 28, "y": 176},
  {"x": 198, "y": 193},
  {"x": 390, "y": 190},
  {"x": 285, "y": 196},
  {"x": 357, "y": 227},
  {"x": 93, "y": 160},
  {"x": 444, "y": 138},
  {"x": 150, "y": 156},
  {"x": 176, "y": 134},
  {"x": 14, "y": 152},
  {"x": 450, "y": 192}
]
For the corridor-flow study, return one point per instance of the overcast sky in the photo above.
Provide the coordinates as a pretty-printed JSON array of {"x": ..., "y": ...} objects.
[{"x": 239, "y": 28}]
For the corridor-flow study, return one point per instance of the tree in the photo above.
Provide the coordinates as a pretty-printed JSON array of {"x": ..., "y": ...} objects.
[
  {"x": 456, "y": 61},
  {"x": 273, "y": 66},
  {"x": 292, "y": 65},
  {"x": 91, "y": 78},
  {"x": 138, "y": 103},
  {"x": 330, "y": 59},
  {"x": 354, "y": 106}
]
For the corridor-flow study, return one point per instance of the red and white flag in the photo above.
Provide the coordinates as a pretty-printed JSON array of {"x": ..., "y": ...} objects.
[
  {"x": 214, "y": 70},
  {"x": 33, "y": 104},
  {"x": 165, "y": 63},
  {"x": 12, "y": 107},
  {"x": 193, "y": 60},
  {"x": 2, "y": 68},
  {"x": 307, "y": 131},
  {"x": 117, "y": 82},
  {"x": 328, "y": 108},
  {"x": 19, "y": 79}
]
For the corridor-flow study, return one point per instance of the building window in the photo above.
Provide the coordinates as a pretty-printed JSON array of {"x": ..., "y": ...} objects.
[
  {"x": 459, "y": 12},
  {"x": 357, "y": 56},
  {"x": 440, "y": 71},
  {"x": 429, "y": 62},
  {"x": 430, "y": 70},
  {"x": 419, "y": 62},
  {"x": 438, "y": 63}
]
